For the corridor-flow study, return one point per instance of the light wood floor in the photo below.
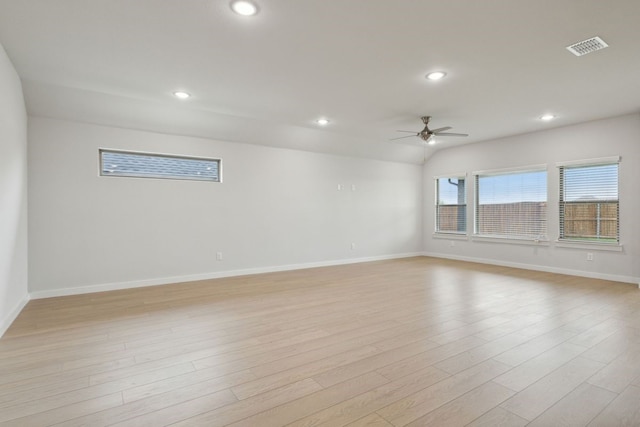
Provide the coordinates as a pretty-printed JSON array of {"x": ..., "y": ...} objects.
[{"x": 416, "y": 341}]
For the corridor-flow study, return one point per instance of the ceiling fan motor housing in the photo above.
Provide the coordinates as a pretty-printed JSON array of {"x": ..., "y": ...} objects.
[{"x": 426, "y": 136}]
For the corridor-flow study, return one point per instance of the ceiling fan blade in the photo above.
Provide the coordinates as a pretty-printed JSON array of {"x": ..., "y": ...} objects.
[
  {"x": 451, "y": 134},
  {"x": 441, "y": 129},
  {"x": 402, "y": 137}
]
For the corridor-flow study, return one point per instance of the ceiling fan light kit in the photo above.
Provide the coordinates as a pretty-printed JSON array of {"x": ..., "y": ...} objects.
[
  {"x": 436, "y": 75},
  {"x": 427, "y": 134},
  {"x": 244, "y": 7}
]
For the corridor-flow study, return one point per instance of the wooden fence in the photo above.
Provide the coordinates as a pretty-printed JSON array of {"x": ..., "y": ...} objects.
[
  {"x": 586, "y": 220},
  {"x": 521, "y": 219},
  {"x": 591, "y": 220},
  {"x": 513, "y": 219}
]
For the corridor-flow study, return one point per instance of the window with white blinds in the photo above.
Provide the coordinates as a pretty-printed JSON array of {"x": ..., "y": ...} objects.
[
  {"x": 511, "y": 204},
  {"x": 151, "y": 165},
  {"x": 451, "y": 205},
  {"x": 589, "y": 204}
]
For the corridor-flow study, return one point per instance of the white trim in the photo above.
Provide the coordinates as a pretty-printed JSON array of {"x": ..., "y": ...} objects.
[
  {"x": 13, "y": 314},
  {"x": 206, "y": 276},
  {"x": 450, "y": 236},
  {"x": 588, "y": 162},
  {"x": 101, "y": 173},
  {"x": 530, "y": 168},
  {"x": 511, "y": 240},
  {"x": 451, "y": 175},
  {"x": 578, "y": 273},
  {"x": 589, "y": 246}
]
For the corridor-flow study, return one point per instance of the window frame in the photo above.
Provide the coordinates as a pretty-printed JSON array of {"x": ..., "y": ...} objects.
[
  {"x": 437, "y": 206},
  {"x": 510, "y": 238},
  {"x": 101, "y": 167},
  {"x": 580, "y": 242}
]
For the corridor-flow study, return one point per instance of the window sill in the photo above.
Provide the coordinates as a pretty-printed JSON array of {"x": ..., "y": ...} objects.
[
  {"x": 511, "y": 240},
  {"x": 607, "y": 247},
  {"x": 450, "y": 236}
]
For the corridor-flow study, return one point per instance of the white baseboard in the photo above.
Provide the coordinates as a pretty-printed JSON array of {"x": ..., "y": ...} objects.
[
  {"x": 206, "y": 276},
  {"x": 232, "y": 273},
  {"x": 12, "y": 315},
  {"x": 546, "y": 269}
]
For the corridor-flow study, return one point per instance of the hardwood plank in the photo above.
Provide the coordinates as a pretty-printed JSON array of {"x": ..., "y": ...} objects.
[
  {"x": 498, "y": 417},
  {"x": 27, "y": 407},
  {"x": 372, "y": 420},
  {"x": 623, "y": 411},
  {"x": 355, "y": 408},
  {"x": 531, "y": 371},
  {"x": 315, "y": 402},
  {"x": 61, "y": 414},
  {"x": 345, "y": 371},
  {"x": 621, "y": 372},
  {"x": 374, "y": 334},
  {"x": 613, "y": 346},
  {"x": 213, "y": 380},
  {"x": 168, "y": 415},
  {"x": 421, "y": 403},
  {"x": 270, "y": 382},
  {"x": 253, "y": 405},
  {"x": 577, "y": 408},
  {"x": 534, "y": 347},
  {"x": 422, "y": 360},
  {"x": 538, "y": 397},
  {"x": 467, "y": 407},
  {"x": 479, "y": 354}
]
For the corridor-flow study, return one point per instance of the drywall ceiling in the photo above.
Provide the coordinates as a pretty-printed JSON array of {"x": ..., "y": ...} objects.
[{"x": 361, "y": 63}]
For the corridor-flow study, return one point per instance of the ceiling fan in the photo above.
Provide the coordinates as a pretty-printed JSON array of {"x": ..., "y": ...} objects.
[{"x": 427, "y": 134}]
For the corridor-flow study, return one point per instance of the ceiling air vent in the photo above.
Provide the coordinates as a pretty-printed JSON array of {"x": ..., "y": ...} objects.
[{"x": 587, "y": 46}]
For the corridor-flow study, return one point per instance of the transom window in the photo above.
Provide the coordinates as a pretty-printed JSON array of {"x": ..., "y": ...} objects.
[
  {"x": 152, "y": 165},
  {"x": 511, "y": 204}
]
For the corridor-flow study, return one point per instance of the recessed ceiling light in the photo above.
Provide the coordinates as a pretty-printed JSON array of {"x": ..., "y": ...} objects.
[
  {"x": 436, "y": 75},
  {"x": 547, "y": 117},
  {"x": 181, "y": 95},
  {"x": 322, "y": 122},
  {"x": 244, "y": 7}
]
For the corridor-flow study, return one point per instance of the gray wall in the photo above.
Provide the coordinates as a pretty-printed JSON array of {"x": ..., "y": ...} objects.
[
  {"x": 13, "y": 194},
  {"x": 277, "y": 208},
  {"x": 618, "y": 136}
]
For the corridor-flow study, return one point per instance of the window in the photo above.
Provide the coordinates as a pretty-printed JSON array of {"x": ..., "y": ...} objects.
[
  {"x": 511, "y": 204},
  {"x": 151, "y": 165},
  {"x": 451, "y": 205},
  {"x": 589, "y": 205}
]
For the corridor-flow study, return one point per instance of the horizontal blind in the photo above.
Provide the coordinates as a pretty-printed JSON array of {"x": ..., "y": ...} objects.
[
  {"x": 511, "y": 204},
  {"x": 589, "y": 204},
  {"x": 451, "y": 205},
  {"x": 151, "y": 165}
]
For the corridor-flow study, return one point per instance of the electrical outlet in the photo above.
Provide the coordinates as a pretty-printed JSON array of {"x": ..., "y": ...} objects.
[
  {"x": 353, "y": 187},
  {"x": 219, "y": 256},
  {"x": 589, "y": 256},
  {"x": 353, "y": 246},
  {"x": 339, "y": 187}
]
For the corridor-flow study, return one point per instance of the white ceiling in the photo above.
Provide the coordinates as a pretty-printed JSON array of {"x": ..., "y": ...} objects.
[{"x": 361, "y": 63}]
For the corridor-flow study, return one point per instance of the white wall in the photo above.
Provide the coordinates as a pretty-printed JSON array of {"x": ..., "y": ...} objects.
[
  {"x": 603, "y": 138},
  {"x": 13, "y": 194},
  {"x": 276, "y": 208}
]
